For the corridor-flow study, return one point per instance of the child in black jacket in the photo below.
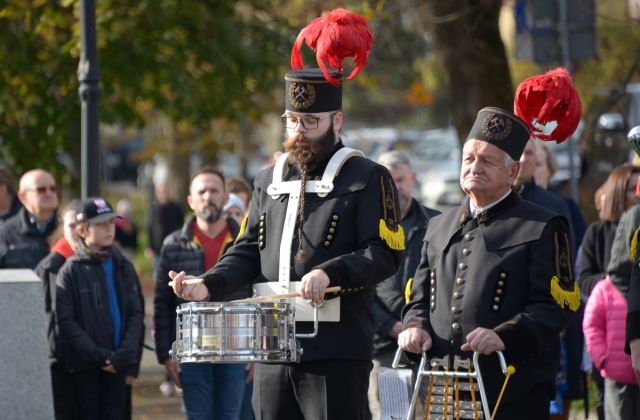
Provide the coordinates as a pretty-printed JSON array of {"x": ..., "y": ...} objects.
[{"x": 100, "y": 314}]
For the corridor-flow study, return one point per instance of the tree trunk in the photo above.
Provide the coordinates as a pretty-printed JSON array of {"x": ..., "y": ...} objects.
[
  {"x": 468, "y": 41},
  {"x": 178, "y": 160}
]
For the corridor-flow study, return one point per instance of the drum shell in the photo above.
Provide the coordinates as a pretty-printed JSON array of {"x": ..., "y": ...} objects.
[{"x": 211, "y": 332}]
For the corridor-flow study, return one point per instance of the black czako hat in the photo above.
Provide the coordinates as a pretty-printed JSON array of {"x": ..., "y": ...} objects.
[
  {"x": 308, "y": 91},
  {"x": 94, "y": 210},
  {"x": 501, "y": 128}
]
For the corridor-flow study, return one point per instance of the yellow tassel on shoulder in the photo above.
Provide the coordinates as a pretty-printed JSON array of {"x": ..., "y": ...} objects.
[
  {"x": 570, "y": 298},
  {"x": 395, "y": 240},
  {"x": 634, "y": 246}
]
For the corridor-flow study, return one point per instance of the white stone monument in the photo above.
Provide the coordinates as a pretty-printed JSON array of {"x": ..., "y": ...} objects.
[{"x": 25, "y": 390}]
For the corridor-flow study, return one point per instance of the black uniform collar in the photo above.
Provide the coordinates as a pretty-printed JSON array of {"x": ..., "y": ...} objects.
[{"x": 509, "y": 201}]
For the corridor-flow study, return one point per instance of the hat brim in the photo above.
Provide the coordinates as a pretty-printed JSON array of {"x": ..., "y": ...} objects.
[{"x": 101, "y": 218}]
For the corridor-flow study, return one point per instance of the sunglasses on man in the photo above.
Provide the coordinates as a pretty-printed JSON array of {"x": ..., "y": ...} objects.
[{"x": 41, "y": 190}]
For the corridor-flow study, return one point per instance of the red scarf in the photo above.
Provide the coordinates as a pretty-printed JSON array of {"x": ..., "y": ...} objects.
[{"x": 63, "y": 248}]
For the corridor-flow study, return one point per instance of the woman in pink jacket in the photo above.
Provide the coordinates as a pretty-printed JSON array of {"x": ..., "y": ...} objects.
[{"x": 604, "y": 333}]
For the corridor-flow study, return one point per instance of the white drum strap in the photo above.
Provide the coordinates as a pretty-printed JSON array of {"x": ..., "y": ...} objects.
[{"x": 321, "y": 187}]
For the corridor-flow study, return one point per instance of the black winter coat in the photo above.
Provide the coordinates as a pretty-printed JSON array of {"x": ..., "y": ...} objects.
[
  {"x": 595, "y": 254},
  {"x": 164, "y": 219},
  {"x": 47, "y": 271},
  {"x": 82, "y": 305},
  {"x": 15, "y": 207},
  {"x": 180, "y": 252},
  {"x": 22, "y": 245}
]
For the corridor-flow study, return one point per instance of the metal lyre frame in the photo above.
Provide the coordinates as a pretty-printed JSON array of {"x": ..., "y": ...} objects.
[{"x": 475, "y": 374}]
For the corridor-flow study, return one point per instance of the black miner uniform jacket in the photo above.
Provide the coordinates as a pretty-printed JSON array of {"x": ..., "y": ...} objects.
[
  {"x": 341, "y": 236},
  {"x": 508, "y": 269}
]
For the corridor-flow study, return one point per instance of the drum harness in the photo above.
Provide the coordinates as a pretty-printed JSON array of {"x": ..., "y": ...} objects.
[{"x": 322, "y": 187}]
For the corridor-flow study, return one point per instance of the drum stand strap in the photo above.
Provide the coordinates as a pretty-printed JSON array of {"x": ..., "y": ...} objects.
[{"x": 451, "y": 393}]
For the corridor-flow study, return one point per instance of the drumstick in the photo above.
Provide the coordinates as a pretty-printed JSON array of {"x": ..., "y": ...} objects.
[
  {"x": 269, "y": 298},
  {"x": 189, "y": 280}
]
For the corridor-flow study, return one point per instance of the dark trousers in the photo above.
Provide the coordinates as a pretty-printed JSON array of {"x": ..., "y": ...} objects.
[
  {"x": 598, "y": 380},
  {"x": 534, "y": 407},
  {"x": 319, "y": 390},
  {"x": 64, "y": 404},
  {"x": 100, "y": 395}
]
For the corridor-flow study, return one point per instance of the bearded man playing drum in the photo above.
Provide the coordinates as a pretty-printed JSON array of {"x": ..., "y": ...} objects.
[{"x": 322, "y": 216}]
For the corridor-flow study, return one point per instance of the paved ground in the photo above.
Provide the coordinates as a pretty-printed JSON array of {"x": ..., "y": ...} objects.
[{"x": 147, "y": 401}]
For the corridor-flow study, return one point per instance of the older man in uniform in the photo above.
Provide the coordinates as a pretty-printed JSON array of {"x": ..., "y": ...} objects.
[
  {"x": 495, "y": 275},
  {"x": 322, "y": 216}
]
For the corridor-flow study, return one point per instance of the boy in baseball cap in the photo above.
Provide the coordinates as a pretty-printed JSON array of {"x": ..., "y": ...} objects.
[{"x": 100, "y": 314}]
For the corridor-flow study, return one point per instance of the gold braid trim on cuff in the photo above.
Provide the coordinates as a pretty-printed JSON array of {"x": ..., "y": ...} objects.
[
  {"x": 243, "y": 227},
  {"x": 407, "y": 291},
  {"x": 563, "y": 297},
  {"x": 395, "y": 240}
]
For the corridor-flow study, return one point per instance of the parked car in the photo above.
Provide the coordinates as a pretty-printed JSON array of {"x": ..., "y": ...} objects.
[{"x": 434, "y": 156}]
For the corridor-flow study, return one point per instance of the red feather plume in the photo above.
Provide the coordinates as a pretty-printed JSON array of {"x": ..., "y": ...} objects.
[
  {"x": 549, "y": 103},
  {"x": 337, "y": 35}
]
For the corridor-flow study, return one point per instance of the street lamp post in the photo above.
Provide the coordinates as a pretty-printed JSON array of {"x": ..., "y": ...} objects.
[
  {"x": 566, "y": 62},
  {"x": 89, "y": 91}
]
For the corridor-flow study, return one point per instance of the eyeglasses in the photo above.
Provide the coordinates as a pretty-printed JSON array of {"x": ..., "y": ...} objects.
[
  {"x": 41, "y": 190},
  {"x": 308, "y": 122}
]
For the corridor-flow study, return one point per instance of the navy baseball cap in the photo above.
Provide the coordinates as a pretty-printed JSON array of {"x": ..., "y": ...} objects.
[{"x": 94, "y": 210}]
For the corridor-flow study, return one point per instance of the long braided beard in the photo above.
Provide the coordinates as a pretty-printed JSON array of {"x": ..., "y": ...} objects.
[
  {"x": 300, "y": 255},
  {"x": 306, "y": 155}
]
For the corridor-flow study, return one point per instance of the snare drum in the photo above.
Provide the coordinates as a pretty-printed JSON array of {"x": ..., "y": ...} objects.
[{"x": 208, "y": 332}]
